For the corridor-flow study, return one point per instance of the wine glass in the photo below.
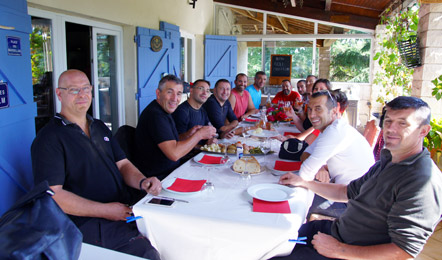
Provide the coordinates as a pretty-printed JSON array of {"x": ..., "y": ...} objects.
[
  {"x": 246, "y": 178},
  {"x": 266, "y": 147},
  {"x": 209, "y": 187}
]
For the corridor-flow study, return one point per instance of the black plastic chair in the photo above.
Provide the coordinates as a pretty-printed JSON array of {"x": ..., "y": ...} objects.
[{"x": 126, "y": 138}]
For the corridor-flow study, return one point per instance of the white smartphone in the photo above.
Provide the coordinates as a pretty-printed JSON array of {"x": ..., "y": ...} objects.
[{"x": 161, "y": 202}]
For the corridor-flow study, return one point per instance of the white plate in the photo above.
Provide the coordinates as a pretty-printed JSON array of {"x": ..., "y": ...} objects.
[
  {"x": 270, "y": 192},
  {"x": 264, "y": 133},
  {"x": 263, "y": 169},
  {"x": 168, "y": 182},
  {"x": 199, "y": 156}
]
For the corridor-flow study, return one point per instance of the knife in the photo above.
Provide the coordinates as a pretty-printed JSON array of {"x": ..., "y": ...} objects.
[{"x": 169, "y": 198}]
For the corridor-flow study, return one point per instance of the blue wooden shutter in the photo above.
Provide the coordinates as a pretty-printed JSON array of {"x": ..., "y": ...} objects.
[
  {"x": 220, "y": 58},
  {"x": 152, "y": 65},
  {"x": 17, "y": 125}
]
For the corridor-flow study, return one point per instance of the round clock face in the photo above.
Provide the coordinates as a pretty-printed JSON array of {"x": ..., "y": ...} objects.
[{"x": 156, "y": 43}]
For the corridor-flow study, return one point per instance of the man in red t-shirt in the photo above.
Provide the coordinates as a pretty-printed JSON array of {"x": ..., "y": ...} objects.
[{"x": 287, "y": 94}]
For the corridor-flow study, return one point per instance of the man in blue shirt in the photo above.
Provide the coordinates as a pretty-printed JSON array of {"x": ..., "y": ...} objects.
[
  {"x": 190, "y": 115},
  {"x": 255, "y": 88},
  {"x": 220, "y": 111},
  {"x": 158, "y": 147}
]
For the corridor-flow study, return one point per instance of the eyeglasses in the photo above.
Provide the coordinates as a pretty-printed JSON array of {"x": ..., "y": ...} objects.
[
  {"x": 330, "y": 96},
  {"x": 76, "y": 90},
  {"x": 203, "y": 89}
]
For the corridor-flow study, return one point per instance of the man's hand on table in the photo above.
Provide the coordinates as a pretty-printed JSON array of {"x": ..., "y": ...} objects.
[
  {"x": 291, "y": 179},
  {"x": 152, "y": 186},
  {"x": 116, "y": 211},
  {"x": 326, "y": 245},
  {"x": 227, "y": 135},
  {"x": 323, "y": 175}
]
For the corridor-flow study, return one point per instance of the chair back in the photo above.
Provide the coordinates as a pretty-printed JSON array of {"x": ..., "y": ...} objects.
[{"x": 126, "y": 139}]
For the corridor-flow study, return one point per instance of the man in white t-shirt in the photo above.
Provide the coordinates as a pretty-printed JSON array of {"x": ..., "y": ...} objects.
[{"x": 340, "y": 154}]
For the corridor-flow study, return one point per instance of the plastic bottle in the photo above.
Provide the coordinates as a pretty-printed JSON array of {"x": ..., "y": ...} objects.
[{"x": 239, "y": 151}]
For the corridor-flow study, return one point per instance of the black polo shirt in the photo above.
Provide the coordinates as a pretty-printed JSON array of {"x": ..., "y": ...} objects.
[
  {"x": 64, "y": 155},
  {"x": 217, "y": 113},
  {"x": 154, "y": 127},
  {"x": 186, "y": 117}
]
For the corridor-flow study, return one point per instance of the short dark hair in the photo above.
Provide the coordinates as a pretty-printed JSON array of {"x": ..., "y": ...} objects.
[
  {"x": 301, "y": 81},
  {"x": 311, "y": 76},
  {"x": 260, "y": 73},
  {"x": 220, "y": 81},
  {"x": 167, "y": 78},
  {"x": 325, "y": 81},
  {"x": 200, "y": 80},
  {"x": 422, "y": 110},
  {"x": 240, "y": 75},
  {"x": 284, "y": 80},
  {"x": 341, "y": 98},
  {"x": 331, "y": 102}
]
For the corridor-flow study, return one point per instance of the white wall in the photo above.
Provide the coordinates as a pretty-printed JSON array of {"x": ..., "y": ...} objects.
[{"x": 144, "y": 13}]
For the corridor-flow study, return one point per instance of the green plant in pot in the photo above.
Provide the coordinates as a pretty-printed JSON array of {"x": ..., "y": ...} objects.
[{"x": 433, "y": 141}]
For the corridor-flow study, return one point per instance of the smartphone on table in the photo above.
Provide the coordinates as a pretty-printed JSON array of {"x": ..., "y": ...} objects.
[{"x": 160, "y": 202}]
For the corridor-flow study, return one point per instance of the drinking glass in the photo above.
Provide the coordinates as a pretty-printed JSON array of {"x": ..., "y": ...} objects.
[
  {"x": 246, "y": 177},
  {"x": 209, "y": 187}
]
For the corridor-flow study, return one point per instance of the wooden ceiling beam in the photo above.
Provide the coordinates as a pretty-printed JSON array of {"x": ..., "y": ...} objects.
[
  {"x": 283, "y": 22},
  {"x": 308, "y": 12}
]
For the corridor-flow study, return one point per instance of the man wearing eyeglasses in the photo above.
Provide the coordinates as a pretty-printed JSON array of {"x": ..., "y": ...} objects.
[
  {"x": 158, "y": 146},
  {"x": 89, "y": 172},
  {"x": 190, "y": 116},
  {"x": 393, "y": 208},
  {"x": 240, "y": 99}
]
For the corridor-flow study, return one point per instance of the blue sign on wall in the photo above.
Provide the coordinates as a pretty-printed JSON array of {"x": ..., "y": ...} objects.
[
  {"x": 14, "y": 48},
  {"x": 4, "y": 100}
]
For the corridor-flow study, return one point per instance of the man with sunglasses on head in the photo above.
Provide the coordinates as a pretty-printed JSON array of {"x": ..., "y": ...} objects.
[
  {"x": 393, "y": 208},
  {"x": 339, "y": 154},
  {"x": 93, "y": 181}
]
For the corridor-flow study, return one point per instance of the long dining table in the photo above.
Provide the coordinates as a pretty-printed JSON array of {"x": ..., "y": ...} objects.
[{"x": 221, "y": 223}]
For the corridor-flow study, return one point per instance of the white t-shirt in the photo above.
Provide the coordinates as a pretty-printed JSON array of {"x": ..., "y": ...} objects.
[{"x": 345, "y": 151}]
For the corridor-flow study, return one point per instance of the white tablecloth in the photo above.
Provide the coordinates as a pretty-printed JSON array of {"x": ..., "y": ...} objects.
[{"x": 223, "y": 227}]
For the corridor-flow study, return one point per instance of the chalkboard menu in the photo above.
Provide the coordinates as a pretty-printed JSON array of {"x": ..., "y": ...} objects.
[{"x": 280, "y": 68}]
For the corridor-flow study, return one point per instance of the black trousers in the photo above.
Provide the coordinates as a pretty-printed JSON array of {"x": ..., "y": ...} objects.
[
  {"x": 307, "y": 252},
  {"x": 119, "y": 236}
]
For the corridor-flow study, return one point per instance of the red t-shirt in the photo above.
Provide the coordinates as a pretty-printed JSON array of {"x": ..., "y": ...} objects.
[{"x": 281, "y": 97}]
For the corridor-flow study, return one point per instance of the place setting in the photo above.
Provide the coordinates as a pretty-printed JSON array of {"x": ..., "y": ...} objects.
[
  {"x": 270, "y": 198},
  {"x": 281, "y": 167}
]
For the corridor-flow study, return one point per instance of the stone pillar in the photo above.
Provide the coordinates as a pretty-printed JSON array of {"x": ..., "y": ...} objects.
[
  {"x": 429, "y": 31},
  {"x": 324, "y": 62}
]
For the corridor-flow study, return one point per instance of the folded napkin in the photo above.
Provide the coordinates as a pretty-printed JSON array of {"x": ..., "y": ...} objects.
[
  {"x": 271, "y": 207},
  {"x": 287, "y": 166},
  {"x": 291, "y": 133},
  {"x": 316, "y": 132},
  {"x": 183, "y": 185},
  {"x": 207, "y": 159},
  {"x": 251, "y": 120}
]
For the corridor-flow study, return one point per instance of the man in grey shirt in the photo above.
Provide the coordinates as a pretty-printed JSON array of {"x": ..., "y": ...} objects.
[{"x": 393, "y": 208}]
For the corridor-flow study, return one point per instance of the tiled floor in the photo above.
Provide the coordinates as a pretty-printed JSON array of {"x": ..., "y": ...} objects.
[{"x": 433, "y": 248}]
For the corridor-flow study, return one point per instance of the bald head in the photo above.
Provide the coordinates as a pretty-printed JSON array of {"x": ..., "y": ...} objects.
[{"x": 68, "y": 76}]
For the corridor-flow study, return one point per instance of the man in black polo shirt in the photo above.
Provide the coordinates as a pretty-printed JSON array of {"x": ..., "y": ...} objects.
[
  {"x": 220, "y": 111},
  {"x": 88, "y": 171},
  {"x": 158, "y": 146}
]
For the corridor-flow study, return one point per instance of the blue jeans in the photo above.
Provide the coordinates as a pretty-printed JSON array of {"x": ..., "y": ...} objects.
[{"x": 307, "y": 252}]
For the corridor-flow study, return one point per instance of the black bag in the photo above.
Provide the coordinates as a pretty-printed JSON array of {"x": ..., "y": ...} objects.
[
  {"x": 36, "y": 228},
  {"x": 292, "y": 149}
]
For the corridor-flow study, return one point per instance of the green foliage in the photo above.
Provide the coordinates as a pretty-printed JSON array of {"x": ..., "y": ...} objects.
[
  {"x": 103, "y": 55},
  {"x": 350, "y": 60},
  {"x": 394, "y": 77},
  {"x": 37, "y": 54},
  {"x": 437, "y": 90},
  {"x": 434, "y": 137},
  {"x": 254, "y": 63}
]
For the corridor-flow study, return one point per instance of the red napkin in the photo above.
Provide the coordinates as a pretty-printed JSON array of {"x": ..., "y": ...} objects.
[
  {"x": 207, "y": 159},
  {"x": 287, "y": 166},
  {"x": 183, "y": 185},
  {"x": 271, "y": 207},
  {"x": 290, "y": 133},
  {"x": 251, "y": 120}
]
